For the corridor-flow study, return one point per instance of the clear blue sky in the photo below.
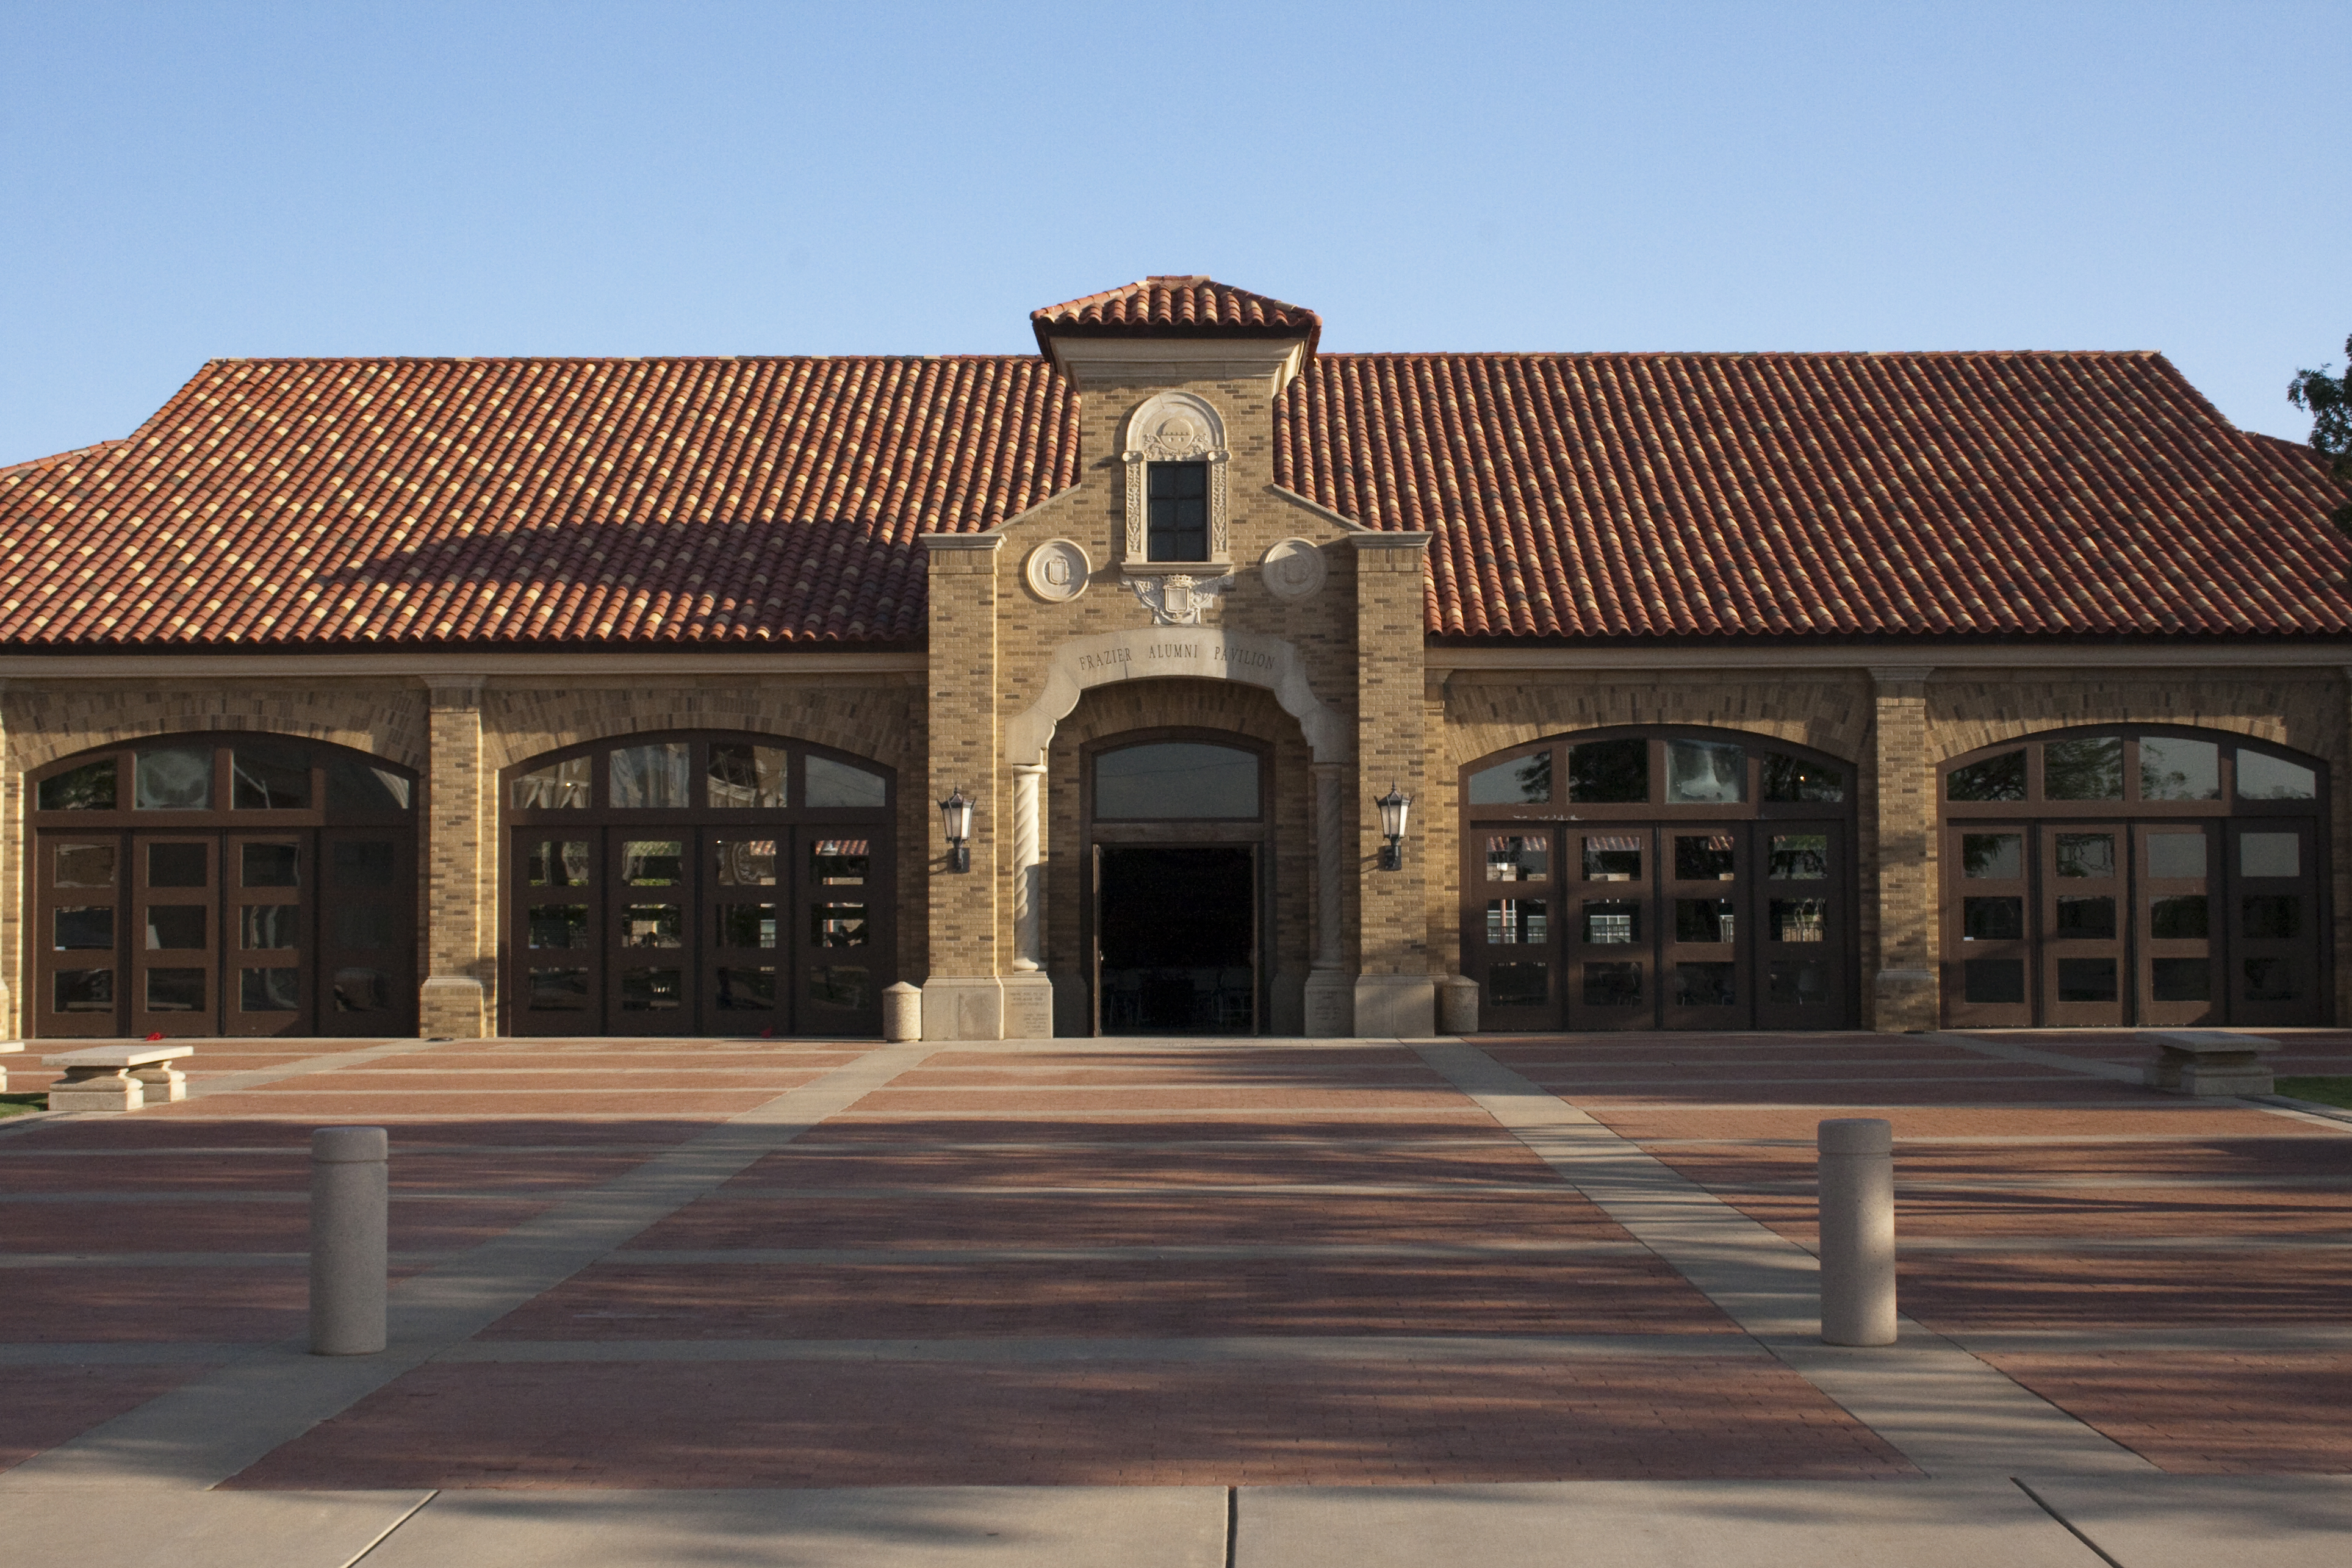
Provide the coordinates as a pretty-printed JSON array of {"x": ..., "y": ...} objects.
[{"x": 191, "y": 180}]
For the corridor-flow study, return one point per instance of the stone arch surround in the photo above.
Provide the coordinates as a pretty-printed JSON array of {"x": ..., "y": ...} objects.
[
  {"x": 874, "y": 721},
  {"x": 385, "y": 721}
]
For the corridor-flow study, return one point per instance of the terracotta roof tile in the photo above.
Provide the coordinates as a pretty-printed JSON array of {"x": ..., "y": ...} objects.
[{"x": 1176, "y": 307}]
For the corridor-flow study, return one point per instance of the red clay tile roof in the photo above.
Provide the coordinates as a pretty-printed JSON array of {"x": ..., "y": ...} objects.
[
  {"x": 1177, "y": 306},
  {"x": 408, "y": 504}
]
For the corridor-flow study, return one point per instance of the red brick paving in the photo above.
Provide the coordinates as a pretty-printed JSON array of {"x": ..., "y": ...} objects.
[
  {"x": 121, "y": 1304},
  {"x": 42, "y": 1406},
  {"x": 1105, "y": 1424},
  {"x": 2207, "y": 1413},
  {"x": 1954, "y": 1293}
]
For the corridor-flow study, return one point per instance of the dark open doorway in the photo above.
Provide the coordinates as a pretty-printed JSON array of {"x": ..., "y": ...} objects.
[{"x": 1178, "y": 940}]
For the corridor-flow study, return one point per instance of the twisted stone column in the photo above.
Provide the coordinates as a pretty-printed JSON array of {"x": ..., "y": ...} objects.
[{"x": 1028, "y": 874}]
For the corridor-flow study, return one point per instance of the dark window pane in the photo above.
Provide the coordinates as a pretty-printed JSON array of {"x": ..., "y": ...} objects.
[
  {"x": 1706, "y": 986},
  {"x": 175, "y": 927},
  {"x": 747, "y": 862},
  {"x": 2178, "y": 917},
  {"x": 1705, "y": 773},
  {"x": 747, "y": 925},
  {"x": 1176, "y": 779},
  {"x": 364, "y": 863},
  {"x": 87, "y": 926},
  {"x": 1519, "y": 985},
  {"x": 1176, "y": 510},
  {"x": 1796, "y": 982},
  {"x": 1613, "y": 984},
  {"x": 558, "y": 786},
  {"x": 746, "y": 777},
  {"x": 1519, "y": 858},
  {"x": 264, "y": 927},
  {"x": 175, "y": 991},
  {"x": 1703, "y": 920},
  {"x": 2085, "y": 919},
  {"x": 2181, "y": 979},
  {"x": 1517, "y": 922},
  {"x": 558, "y": 926},
  {"x": 1788, "y": 778},
  {"x": 2089, "y": 855},
  {"x": 178, "y": 779},
  {"x": 840, "y": 862},
  {"x": 1605, "y": 770},
  {"x": 2270, "y": 980},
  {"x": 1612, "y": 921},
  {"x": 652, "y": 990},
  {"x": 1702, "y": 857},
  {"x": 356, "y": 787},
  {"x": 362, "y": 991},
  {"x": 2086, "y": 980},
  {"x": 269, "y": 990},
  {"x": 1993, "y": 856},
  {"x": 2173, "y": 769},
  {"x": 746, "y": 990},
  {"x": 179, "y": 865},
  {"x": 558, "y": 990},
  {"x": 558, "y": 863},
  {"x": 2088, "y": 769},
  {"x": 649, "y": 778},
  {"x": 264, "y": 777},
  {"x": 2270, "y": 854},
  {"x": 658, "y": 863},
  {"x": 365, "y": 926},
  {"x": 653, "y": 925},
  {"x": 270, "y": 865},
  {"x": 1523, "y": 781},
  {"x": 2177, "y": 854},
  {"x": 90, "y": 787},
  {"x": 2264, "y": 777},
  {"x": 838, "y": 925},
  {"x": 841, "y": 985},
  {"x": 840, "y": 785},
  {"x": 2273, "y": 916},
  {"x": 1614, "y": 858},
  {"x": 86, "y": 866},
  {"x": 84, "y": 991},
  {"x": 1993, "y": 980},
  {"x": 1993, "y": 920},
  {"x": 1995, "y": 778},
  {"x": 1799, "y": 920},
  {"x": 1797, "y": 857}
]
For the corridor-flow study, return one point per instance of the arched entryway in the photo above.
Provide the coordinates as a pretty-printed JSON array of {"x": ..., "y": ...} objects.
[
  {"x": 686, "y": 883},
  {"x": 2134, "y": 875},
  {"x": 223, "y": 884},
  {"x": 1660, "y": 879}
]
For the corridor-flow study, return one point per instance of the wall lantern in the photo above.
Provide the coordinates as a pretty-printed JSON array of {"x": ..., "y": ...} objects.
[
  {"x": 1394, "y": 810},
  {"x": 955, "y": 821}
]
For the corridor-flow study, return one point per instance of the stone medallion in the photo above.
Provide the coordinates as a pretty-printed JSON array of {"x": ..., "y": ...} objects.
[
  {"x": 1292, "y": 568},
  {"x": 1057, "y": 570}
]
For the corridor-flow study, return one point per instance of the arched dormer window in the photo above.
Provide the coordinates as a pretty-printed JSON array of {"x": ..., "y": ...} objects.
[{"x": 1176, "y": 487}]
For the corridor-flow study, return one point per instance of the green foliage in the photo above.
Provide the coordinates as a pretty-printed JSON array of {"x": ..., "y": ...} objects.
[
  {"x": 2329, "y": 400},
  {"x": 2322, "y": 1091}
]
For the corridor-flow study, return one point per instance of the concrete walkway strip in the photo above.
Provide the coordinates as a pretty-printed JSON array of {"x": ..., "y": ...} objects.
[
  {"x": 218, "y": 1424},
  {"x": 202, "y": 1530},
  {"x": 2010, "y": 1051},
  {"x": 1413, "y": 1350},
  {"x": 2207, "y": 1521},
  {"x": 1949, "y": 1413}
]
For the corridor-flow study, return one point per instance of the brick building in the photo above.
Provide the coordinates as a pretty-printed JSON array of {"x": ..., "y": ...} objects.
[{"x": 1726, "y": 690}]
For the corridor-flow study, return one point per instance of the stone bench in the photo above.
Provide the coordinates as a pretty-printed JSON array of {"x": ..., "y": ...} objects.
[
  {"x": 5, "y": 1047},
  {"x": 2209, "y": 1062},
  {"x": 117, "y": 1078}
]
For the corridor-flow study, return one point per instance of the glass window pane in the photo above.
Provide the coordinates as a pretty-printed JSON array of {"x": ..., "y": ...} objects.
[
  {"x": 2173, "y": 769},
  {"x": 1705, "y": 773},
  {"x": 1704, "y": 857},
  {"x": 1993, "y": 920},
  {"x": 838, "y": 925},
  {"x": 1612, "y": 858},
  {"x": 2085, "y": 919},
  {"x": 649, "y": 778},
  {"x": 90, "y": 787},
  {"x": 175, "y": 991},
  {"x": 84, "y": 926},
  {"x": 1519, "y": 858},
  {"x": 558, "y": 863},
  {"x": 267, "y": 777},
  {"x": 1613, "y": 984},
  {"x": 270, "y": 865},
  {"x": 653, "y": 925},
  {"x": 2261, "y": 776},
  {"x": 83, "y": 991},
  {"x": 357, "y": 786},
  {"x": 2178, "y": 917},
  {"x": 2087, "y": 769},
  {"x": 1517, "y": 920},
  {"x": 841, "y": 985},
  {"x": 1995, "y": 778},
  {"x": 262, "y": 927},
  {"x": 838, "y": 785},
  {"x": 559, "y": 991},
  {"x": 2181, "y": 979},
  {"x": 1706, "y": 986},
  {"x": 746, "y": 777},
  {"x": 269, "y": 990},
  {"x": 365, "y": 926},
  {"x": 2270, "y": 855},
  {"x": 2270, "y": 980},
  {"x": 747, "y": 925},
  {"x": 2177, "y": 854},
  {"x": 558, "y": 786},
  {"x": 747, "y": 862},
  {"x": 1522, "y": 984},
  {"x": 1796, "y": 982},
  {"x": 179, "y": 865},
  {"x": 746, "y": 990},
  {"x": 652, "y": 990},
  {"x": 1605, "y": 770},
  {"x": 172, "y": 927},
  {"x": 558, "y": 926},
  {"x": 179, "y": 778},
  {"x": 1703, "y": 920},
  {"x": 1799, "y": 920},
  {"x": 2086, "y": 980},
  {"x": 86, "y": 866},
  {"x": 2086, "y": 854},
  {"x": 653, "y": 862},
  {"x": 840, "y": 862},
  {"x": 361, "y": 863},
  {"x": 2272, "y": 916},
  {"x": 1993, "y": 856},
  {"x": 1788, "y": 778},
  {"x": 362, "y": 991},
  {"x": 1522, "y": 781},
  {"x": 1799, "y": 858},
  {"x": 1611, "y": 922},
  {"x": 1175, "y": 779}
]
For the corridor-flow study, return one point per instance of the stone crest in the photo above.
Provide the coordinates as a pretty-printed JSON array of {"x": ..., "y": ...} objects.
[
  {"x": 1177, "y": 599},
  {"x": 1291, "y": 568},
  {"x": 1058, "y": 571}
]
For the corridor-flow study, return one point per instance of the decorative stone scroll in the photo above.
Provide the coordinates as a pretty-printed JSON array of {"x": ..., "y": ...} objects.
[{"x": 1175, "y": 427}]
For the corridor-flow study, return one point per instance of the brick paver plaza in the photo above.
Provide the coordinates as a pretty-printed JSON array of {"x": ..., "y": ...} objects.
[{"x": 692, "y": 1265}]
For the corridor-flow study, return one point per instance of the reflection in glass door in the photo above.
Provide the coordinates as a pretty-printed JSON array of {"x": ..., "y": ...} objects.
[{"x": 1612, "y": 928}]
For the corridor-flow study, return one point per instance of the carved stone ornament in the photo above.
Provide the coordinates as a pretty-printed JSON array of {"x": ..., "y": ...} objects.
[
  {"x": 1292, "y": 568},
  {"x": 1178, "y": 599},
  {"x": 1058, "y": 571},
  {"x": 1176, "y": 428}
]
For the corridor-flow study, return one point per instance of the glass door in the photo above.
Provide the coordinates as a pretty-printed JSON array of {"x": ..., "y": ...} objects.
[
  {"x": 2081, "y": 869},
  {"x": 1612, "y": 928},
  {"x": 2274, "y": 951},
  {"x": 744, "y": 918},
  {"x": 559, "y": 930},
  {"x": 651, "y": 877},
  {"x": 367, "y": 932},
  {"x": 81, "y": 920},
  {"x": 175, "y": 938},
  {"x": 839, "y": 931},
  {"x": 2173, "y": 914},
  {"x": 266, "y": 919},
  {"x": 1987, "y": 951},
  {"x": 1707, "y": 981},
  {"x": 1804, "y": 940},
  {"x": 1513, "y": 953}
]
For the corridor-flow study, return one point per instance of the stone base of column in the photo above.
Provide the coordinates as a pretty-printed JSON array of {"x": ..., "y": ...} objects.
[
  {"x": 1329, "y": 995},
  {"x": 452, "y": 1008},
  {"x": 1396, "y": 1007},
  {"x": 1457, "y": 1004},
  {"x": 1028, "y": 1006},
  {"x": 1906, "y": 999},
  {"x": 1286, "y": 1005},
  {"x": 965, "y": 1007}
]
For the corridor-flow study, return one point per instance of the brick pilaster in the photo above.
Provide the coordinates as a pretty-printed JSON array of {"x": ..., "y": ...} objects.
[
  {"x": 1395, "y": 993},
  {"x": 963, "y": 998},
  {"x": 1905, "y": 995},
  {"x": 458, "y": 996}
]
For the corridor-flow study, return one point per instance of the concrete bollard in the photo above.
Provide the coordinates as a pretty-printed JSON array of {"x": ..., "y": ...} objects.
[
  {"x": 1857, "y": 1203},
  {"x": 350, "y": 1194},
  {"x": 1457, "y": 1005},
  {"x": 902, "y": 1013}
]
